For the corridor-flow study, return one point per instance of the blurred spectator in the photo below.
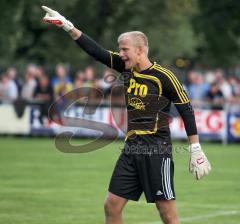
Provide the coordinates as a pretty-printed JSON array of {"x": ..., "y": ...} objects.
[
  {"x": 30, "y": 83},
  {"x": 8, "y": 89},
  {"x": 79, "y": 80},
  {"x": 197, "y": 89},
  {"x": 33, "y": 70},
  {"x": 61, "y": 75},
  {"x": 39, "y": 73},
  {"x": 62, "y": 87},
  {"x": 89, "y": 75},
  {"x": 78, "y": 84},
  {"x": 89, "y": 82},
  {"x": 225, "y": 87},
  {"x": 210, "y": 77},
  {"x": 60, "y": 90},
  {"x": 215, "y": 97},
  {"x": 235, "y": 86},
  {"x": 12, "y": 74},
  {"x": 44, "y": 93},
  {"x": 44, "y": 90},
  {"x": 61, "y": 83}
]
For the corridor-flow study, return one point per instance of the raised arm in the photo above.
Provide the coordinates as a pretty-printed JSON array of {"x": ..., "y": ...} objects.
[{"x": 92, "y": 48}]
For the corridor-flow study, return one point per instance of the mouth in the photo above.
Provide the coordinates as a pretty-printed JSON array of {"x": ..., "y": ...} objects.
[{"x": 126, "y": 61}]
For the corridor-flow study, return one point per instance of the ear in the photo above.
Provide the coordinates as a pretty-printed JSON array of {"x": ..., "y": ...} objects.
[{"x": 140, "y": 50}]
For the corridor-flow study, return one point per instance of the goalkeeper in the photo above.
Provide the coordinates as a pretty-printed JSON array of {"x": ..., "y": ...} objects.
[{"x": 145, "y": 165}]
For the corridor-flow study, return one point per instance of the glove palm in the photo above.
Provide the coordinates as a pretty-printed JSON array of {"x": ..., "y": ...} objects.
[{"x": 199, "y": 165}]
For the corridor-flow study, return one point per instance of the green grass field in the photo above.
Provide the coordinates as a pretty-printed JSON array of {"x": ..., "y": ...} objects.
[{"x": 40, "y": 185}]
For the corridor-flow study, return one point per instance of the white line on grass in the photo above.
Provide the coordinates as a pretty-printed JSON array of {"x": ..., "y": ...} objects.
[
  {"x": 200, "y": 217},
  {"x": 180, "y": 205},
  {"x": 211, "y": 215}
]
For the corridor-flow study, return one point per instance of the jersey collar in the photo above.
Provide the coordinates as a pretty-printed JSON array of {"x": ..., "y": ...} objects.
[{"x": 143, "y": 71}]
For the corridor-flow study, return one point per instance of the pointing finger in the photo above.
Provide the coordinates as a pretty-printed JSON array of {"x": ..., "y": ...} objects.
[{"x": 45, "y": 8}]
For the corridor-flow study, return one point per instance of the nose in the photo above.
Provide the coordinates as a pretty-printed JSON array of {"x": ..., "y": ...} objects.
[{"x": 121, "y": 54}]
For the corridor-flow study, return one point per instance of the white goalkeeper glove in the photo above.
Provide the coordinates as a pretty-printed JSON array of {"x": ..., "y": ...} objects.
[
  {"x": 199, "y": 165},
  {"x": 54, "y": 17}
]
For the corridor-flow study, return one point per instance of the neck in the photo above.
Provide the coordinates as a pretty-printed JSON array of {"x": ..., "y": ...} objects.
[{"x": 143, "y": 65}]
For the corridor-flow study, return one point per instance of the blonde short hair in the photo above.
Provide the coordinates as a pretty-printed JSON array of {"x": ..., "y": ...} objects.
[{"x": 138, "y": 39}]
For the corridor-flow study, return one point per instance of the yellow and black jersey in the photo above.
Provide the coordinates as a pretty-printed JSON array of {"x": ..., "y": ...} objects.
[{"x": 148, "y": 94}]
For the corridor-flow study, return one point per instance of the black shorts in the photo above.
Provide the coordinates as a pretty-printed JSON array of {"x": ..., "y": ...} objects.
[{"x": 151, "y": 173}]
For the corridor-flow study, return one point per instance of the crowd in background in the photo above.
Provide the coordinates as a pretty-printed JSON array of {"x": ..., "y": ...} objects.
[
  {"x": 213, "y": 87},
  {"x": 36, "y": 84},
  {"x": 37, "y": 87}
]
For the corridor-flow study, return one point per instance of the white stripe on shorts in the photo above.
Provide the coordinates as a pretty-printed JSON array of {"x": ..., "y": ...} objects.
[
  {"x": 169, "y": 179},
  {"x": 166, "y": 181},
  {"x": 163, "y": 178}
]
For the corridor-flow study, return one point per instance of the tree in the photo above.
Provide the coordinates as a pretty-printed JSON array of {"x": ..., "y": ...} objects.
[
  {"x": 218, "y": 23},
  {"x": 24, "y": 38}
]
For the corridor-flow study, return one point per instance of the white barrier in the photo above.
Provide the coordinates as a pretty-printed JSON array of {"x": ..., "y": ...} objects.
[{"x": 212, "y": 124}]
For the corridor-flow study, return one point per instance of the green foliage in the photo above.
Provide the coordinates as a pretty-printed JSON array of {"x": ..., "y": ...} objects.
[
  {"x": 218, "y": 23},
  {"x": 214, "y": 38},
  {"x": 26, "y": 38}
]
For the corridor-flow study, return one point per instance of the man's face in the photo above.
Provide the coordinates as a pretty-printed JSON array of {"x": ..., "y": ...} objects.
[{"x": 129, "y": 53}]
